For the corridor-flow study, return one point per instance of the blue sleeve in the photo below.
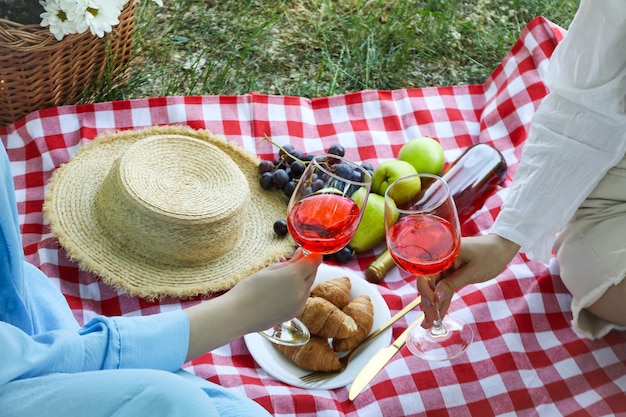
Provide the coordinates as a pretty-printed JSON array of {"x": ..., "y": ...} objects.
[
  {"x": 158, "y": 341},
  {"x": 38, "y": 334},
  {"x": 26, "y": 356},
  {"x": 149, "y": 342},
  {"x": 14, "y": 306}
]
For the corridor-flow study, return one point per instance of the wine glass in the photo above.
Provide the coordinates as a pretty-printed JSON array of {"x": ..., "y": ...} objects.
[
  {"x": 323, "y": 214},
  {"x": 424, "y": 236}
]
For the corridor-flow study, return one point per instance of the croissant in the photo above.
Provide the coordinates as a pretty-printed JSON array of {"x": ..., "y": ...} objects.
[
  {"x": 336, "y": 290},
  {"x": 324, "y": 319},
  {"x": 361, "y": 310},
  {"x": 315, "y": 355}
]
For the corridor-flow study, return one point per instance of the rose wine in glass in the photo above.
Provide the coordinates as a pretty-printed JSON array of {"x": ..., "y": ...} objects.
[
  {"x": 424, "y": 245},
  {"x": 323, "y": 223},
  {"x": 323, "y": 214},
  {"x": 423, "y": 237}
]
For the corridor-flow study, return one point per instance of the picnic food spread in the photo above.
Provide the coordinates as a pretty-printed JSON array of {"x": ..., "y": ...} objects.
[{"x": 336, "y": 323}]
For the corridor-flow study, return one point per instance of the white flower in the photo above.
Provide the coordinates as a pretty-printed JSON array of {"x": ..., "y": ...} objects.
[
  {"x": 64, "y": 17},
  {"x": 76, "y": 13},
  {"x": 101, "y": 16},
  {"x": 57, "y": 15}
]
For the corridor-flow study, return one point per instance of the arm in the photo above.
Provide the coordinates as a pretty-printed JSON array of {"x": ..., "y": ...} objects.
[
  {"x": 270, "y": 296},
  {"x": 24, "y": 355},
  {"x": 480, "y": 259},
  {"x": 577, "y": 134},
  {"x": 38, "y": 334},
  {"x": 104, "y": 343},
  {"x": 166, "y": 340}
]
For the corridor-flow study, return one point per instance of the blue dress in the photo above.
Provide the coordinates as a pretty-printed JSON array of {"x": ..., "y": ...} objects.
[{"x": 51, "y": 366}]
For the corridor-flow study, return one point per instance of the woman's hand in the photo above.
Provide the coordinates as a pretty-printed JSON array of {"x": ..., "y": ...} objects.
[
  {"x": 278, "y": 292},
  {"x": 264, "y": 299},
  {"x": 480, "y": 259}
]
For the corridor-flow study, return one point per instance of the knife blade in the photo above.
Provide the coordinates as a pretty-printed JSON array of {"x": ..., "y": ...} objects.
[{"x": 377, "y": 363}]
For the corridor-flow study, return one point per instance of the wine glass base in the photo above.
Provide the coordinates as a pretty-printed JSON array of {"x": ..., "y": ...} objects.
[
  {"x": 453, "y": 344},
  {"x": 289, "y": 333}
]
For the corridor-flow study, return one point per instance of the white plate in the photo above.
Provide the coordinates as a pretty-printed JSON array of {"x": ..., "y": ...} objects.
[{"x": 281, "y": 368}]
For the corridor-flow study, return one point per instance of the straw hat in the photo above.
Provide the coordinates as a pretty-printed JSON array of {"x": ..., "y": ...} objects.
[{"x": 165, "y": 211}]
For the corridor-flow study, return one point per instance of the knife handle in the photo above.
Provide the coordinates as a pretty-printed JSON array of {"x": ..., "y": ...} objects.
[
  {"x": 389, "y": 322},
  {"x": 395, "y": 318},
  {"x": 401, "y": 340}
]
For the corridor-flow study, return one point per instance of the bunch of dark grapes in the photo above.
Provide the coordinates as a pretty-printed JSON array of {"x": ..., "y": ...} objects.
[{"x": 284, "y": 173}]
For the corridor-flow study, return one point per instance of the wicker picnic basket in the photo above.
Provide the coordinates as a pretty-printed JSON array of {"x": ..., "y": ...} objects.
[{"x": 38, "y": 71}]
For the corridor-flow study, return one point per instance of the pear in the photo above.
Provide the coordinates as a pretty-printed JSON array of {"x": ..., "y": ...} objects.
[
  {"x": 405, "y": 191},
  {"x": 389, "y": 171},
  {"x": 371, "y": 230}
]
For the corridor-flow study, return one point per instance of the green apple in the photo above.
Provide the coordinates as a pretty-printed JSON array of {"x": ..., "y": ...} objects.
[
  {"x": 425, "y": 154},
  {"x": 387, "y": 172},
  {"x": 371, "y": 230}
]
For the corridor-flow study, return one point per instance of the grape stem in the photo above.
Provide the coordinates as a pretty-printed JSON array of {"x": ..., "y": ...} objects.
[{"x": 266, "y": 138}]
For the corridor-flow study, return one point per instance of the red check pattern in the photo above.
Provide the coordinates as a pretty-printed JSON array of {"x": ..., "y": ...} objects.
[{"x": 526, "y": 359}]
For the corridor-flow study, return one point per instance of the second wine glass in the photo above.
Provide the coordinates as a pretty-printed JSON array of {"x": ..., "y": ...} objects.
[
  {"x": 423, "y": 236},
  {"x": 323, "y": 214}
]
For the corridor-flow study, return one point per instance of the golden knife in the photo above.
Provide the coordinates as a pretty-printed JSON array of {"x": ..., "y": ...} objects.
[
  {"x": 395, "y": 318},
  {"x": 376, "y": 364}
]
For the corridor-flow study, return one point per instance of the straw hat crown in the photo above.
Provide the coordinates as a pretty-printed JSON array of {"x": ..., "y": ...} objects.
[{"x": 175, "y": 199}]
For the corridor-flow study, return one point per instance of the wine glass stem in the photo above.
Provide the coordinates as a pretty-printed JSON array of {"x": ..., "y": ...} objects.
[{"x": 438, "y": 329}]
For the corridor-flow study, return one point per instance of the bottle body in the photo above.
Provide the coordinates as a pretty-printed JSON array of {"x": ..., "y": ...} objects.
[{"x": 472, "y": 178}]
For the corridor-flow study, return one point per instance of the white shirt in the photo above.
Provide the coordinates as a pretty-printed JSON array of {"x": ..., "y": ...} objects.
[{"x": 578, "y": 132}]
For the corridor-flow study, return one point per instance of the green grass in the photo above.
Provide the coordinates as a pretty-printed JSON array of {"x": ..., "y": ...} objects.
[{"x": 317, "y": 48}]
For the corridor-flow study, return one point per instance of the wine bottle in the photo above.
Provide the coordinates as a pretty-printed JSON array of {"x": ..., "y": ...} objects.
[{"x": 472, "y": 178}]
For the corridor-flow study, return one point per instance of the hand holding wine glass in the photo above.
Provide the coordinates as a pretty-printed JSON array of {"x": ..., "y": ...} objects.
[
  {"x": 423, "y": 236},
  {"x": 323, "y": 214}
]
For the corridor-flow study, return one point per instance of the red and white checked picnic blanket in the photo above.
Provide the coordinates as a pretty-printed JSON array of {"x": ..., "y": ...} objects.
[{"x": 526, "y": 359}]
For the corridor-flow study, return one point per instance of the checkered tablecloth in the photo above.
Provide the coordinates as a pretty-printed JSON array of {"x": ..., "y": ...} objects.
[{"x": 526, "y": 359}]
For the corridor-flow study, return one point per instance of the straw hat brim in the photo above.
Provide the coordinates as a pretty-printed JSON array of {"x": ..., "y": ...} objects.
[{"x": 69, "y": 208}]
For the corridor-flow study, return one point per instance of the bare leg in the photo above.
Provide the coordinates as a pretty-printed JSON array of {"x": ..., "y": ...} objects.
[{"x": 612, "y": 305}]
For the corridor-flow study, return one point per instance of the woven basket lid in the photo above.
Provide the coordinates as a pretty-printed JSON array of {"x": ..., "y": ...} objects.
[{"x": 165, "y": 211}]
